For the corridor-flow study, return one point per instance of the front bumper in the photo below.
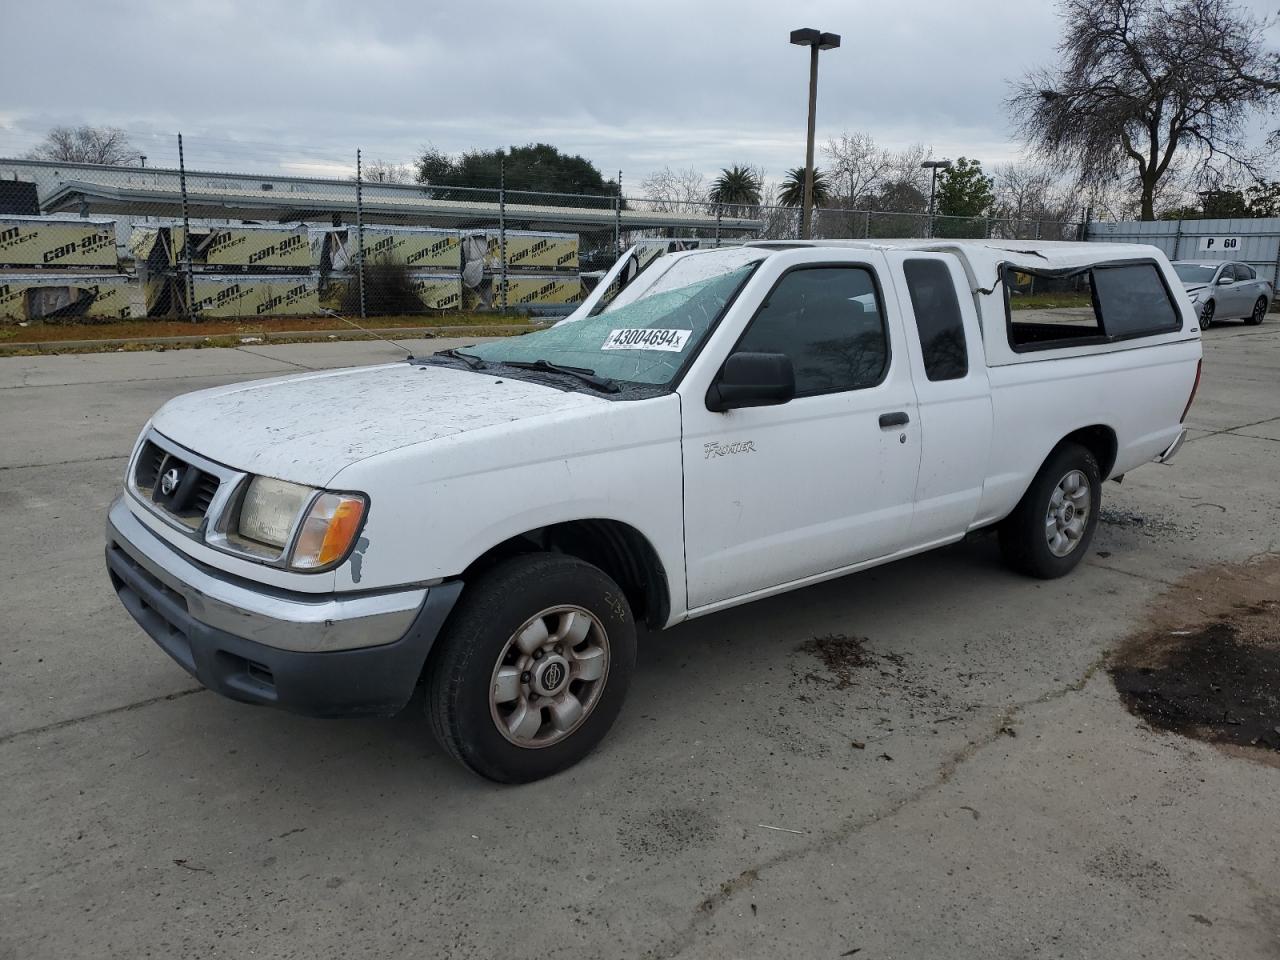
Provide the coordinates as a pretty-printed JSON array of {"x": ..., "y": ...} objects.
[{"x": 325, "y": 656}]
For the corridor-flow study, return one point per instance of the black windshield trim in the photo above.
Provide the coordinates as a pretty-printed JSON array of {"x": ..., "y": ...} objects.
[{"x": 566, "y": 383}]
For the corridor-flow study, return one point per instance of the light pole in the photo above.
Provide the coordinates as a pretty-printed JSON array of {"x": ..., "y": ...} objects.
[
  {"x": 816, "y": 41},
  {"x": 934, "y": 165}
]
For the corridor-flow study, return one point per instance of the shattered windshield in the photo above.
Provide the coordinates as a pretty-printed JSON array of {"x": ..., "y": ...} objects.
[{"x": 646, "y": 340}]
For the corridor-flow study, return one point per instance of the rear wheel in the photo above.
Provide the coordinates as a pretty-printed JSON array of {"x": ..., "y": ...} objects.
[
  {"x": 1259, "y": 311},
  {"x": 532, "y": 668},
  {"x": 1206, "y": 315},
  {"x": 1051, "y": 528}
]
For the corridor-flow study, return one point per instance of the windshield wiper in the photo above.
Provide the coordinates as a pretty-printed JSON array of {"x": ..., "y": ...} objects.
[
  {"x": 470, "y": 359},
  {"x": 585, "y": 374}
]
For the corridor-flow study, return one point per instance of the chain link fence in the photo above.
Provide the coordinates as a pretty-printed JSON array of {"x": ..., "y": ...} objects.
[{"x": 85, "y": 242}]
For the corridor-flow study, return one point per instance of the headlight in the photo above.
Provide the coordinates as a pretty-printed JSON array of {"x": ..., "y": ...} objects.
[{"x": 271, "y": 510}]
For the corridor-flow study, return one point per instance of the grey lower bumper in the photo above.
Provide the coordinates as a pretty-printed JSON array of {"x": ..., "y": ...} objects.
[{"x": 170, "y": 597}]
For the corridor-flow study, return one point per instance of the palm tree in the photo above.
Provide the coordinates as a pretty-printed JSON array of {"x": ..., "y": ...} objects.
[
  {"x": 792, "y": 193},
  {"x": 736, "y": 187}
]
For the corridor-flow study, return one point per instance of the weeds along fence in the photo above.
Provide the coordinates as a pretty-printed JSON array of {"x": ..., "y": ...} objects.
[{"x": 88, "y": 242}]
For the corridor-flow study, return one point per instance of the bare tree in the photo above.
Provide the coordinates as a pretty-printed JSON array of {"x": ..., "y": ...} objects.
[
  {"x": 905, "y": 173},
  {"x": 857, "y": 165},
  {"x": 86, "y": 144},
  {"x": 1034, "y": 201},
  {"x": 1143, "y": 86},
  {"x": 675, "y": 191},
  {"x": 385, "y": 171},
  {"x": 1032, "y": 190}
]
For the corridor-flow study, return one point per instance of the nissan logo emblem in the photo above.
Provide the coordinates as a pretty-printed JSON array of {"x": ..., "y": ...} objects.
[
  {"x": 553, "y": 676},
  {"x": 169, "y": 482}
]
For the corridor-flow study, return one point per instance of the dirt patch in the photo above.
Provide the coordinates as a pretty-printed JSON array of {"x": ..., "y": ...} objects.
[
  {"x": 1155, "y": 527},
  {"x": 840, "y": 654},
  {"x": 667, "y": 831},
  {"x": 1208, "y": 664}
]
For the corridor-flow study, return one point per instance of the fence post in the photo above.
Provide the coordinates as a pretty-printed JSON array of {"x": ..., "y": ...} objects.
[
  {"x": 502, "y": 233},
  {"x": 718, "y": 228},
  {"x": 617, "y": 220},
  {"x": 360, "y": 231},
  {"x": 188, "y": 283},
  {"x": 867, "y": 230}
]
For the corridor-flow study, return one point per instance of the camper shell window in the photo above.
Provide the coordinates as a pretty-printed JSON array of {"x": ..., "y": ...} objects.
[{"x": 1102, "y": 303}]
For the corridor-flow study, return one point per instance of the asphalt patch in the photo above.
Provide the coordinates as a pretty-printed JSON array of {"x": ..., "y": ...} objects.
[{"x": 1208, "y": 666}]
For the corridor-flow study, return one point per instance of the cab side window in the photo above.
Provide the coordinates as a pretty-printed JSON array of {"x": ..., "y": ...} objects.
[
  {"x": 830, "y": 322},
  {"x": 937, "y": 311}
]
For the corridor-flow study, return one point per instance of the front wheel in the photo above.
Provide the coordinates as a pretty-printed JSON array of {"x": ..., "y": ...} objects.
[
  {"x": 1051, "y": 528},
  {"x": 1206, "y": 316},
  {"x": 532, "y": 668},
  {"x": 1259, "y": 311}
]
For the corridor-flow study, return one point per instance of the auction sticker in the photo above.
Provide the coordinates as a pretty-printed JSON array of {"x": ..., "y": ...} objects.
[{"x": 646, "y": 338}]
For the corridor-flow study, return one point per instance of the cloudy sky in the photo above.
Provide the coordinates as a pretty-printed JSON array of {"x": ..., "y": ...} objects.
[{"x": 297, "y": 86}]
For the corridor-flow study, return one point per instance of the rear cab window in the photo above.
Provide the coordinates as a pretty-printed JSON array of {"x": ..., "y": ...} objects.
[
  {"x": 1098, "y": 304},
  {"x": 938, "y": 320}
]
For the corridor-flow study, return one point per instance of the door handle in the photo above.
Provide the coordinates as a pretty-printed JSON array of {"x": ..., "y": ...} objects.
[{"x": 899, "y": 419}]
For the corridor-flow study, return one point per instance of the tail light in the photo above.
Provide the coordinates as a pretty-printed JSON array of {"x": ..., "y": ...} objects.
[{"x": 1194, "y": 387}]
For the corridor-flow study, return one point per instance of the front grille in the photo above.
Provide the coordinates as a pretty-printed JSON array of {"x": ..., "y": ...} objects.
[
  {"x": 177, "y": 488},
  {"x": 206, "y": 487},
  {"x": 147, "y": 470}
]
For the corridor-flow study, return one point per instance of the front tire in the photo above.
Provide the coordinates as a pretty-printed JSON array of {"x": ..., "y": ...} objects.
[
  {"x": 1051, "y": 528},
  {"x": 1259, "y": 311},
  {"x": 1206, "y": 315},
  {"x": 532, "y": 667}
]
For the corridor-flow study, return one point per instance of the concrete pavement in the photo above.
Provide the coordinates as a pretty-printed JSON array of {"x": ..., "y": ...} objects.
[{"x": 1003, "y": 803}]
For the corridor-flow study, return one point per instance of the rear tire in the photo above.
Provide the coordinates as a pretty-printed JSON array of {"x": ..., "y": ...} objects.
[
  {"x": 532, "y": 667},
  {"x": 1259, "y": 311},
  {"x": 1046, "y": 535}
]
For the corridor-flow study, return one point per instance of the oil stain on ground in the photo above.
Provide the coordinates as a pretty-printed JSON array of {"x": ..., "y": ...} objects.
[
  {"x": 841, "y": 655},
  {"x": 1208, "y": 664}
]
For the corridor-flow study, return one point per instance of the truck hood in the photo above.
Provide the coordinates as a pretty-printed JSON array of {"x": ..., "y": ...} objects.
[{"x": 308, "y": 427}]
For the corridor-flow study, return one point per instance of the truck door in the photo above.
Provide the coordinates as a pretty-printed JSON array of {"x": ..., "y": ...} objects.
[
  {"x": 781, "y": 493},
  {"x": 950, "y": 374}
]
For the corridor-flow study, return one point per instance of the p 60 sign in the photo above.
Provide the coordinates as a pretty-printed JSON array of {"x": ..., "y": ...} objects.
[{"x": 1219, "y": 244}]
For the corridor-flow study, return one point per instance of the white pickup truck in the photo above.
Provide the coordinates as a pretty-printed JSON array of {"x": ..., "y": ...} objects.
[{"x": 735, "y": 423}]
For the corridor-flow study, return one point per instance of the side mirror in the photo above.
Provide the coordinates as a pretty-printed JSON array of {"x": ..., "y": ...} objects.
[
  {"x": 1223, "y": 281},
  {"x": 752, "y": 380}
]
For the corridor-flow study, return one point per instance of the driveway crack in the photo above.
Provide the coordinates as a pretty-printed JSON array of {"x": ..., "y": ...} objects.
[
  {"x": 34, "y": 731},
  {"x": 684, "y": 938}
]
